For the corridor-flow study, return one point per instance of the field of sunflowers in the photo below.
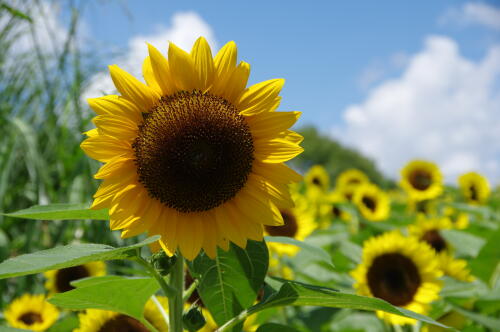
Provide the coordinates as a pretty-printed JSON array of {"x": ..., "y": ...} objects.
[{"x": 179, "y": 204}]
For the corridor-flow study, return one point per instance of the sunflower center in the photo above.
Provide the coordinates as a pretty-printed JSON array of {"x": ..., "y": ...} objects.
[
  {"x": 393, "y": 277},
  {"x": 316, "y": 181},
  {"x": 370, "y": 203},
  {"x": 289, "y": 227},
  {"x": 67, "y": 275},
  {"x": 473, "y": 193},
  {"x": 336, "y": 212},
  {"x": 194, "y": 151},
  {"x": 353, "y": 181},
  {"x": 435, "y": 240},
  {"x": 420, "y": 180},
  {"x": 122, "y": 323},
  {"x": 30, "y": 318}
]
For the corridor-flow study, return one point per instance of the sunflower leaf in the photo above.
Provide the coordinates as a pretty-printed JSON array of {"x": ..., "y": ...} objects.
[
  {"x": 60, "y": 211},
  {"x": 274, "y": 327},
  {"x": 296, "y": 294},
  {"x": 320, "y": 254},
  {"x": 231, "y": 282},
  {"x": 124, "y": 295},
  {"x": 484, "y": 265},
  {"x": 66, "y": 256}
]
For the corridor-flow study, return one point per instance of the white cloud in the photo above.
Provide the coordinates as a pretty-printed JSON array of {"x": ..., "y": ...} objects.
[
  {"x": 473, "y": 13},
  {"x": 444, "y": 107},
  {"x": 380, "y": 69},
  {"x": 185, "y": 28}
]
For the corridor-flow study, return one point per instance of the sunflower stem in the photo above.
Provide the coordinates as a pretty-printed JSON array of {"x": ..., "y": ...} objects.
[
  {"x": 236, "y": 320},
  {"x": 176, "y": 303},
  {"x": 168, "y": 290},
  {"x": 190, "y": 290}
]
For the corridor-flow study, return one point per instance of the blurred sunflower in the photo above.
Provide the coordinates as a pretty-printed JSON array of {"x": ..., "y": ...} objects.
[
  {"x": 31, "y": 312},
  {"x": 421, "y": 180},
  {"x": 193, "y": 155},
  {"x": 351, "y": 177},
  {"x": 459, "y": 220},
  {"x": 372, "y": 202},
  {"x": 475, "y": 187},
  {"x": 317, "y": 180},
  {"x": 59, "y": 281},
  {"x": 331, "y": 210},
  {"x": 94, "y": 320},
  {"x": 429, "y": 231},
  {"x": 400, "y": 270},
  {"x": 347, "y": 191},
  {"x": 298, "y": 224}
]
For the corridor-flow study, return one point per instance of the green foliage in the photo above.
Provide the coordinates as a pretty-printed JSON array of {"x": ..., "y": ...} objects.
[
  {"x": 323, "y": 150},
  {"x": 231, "y": 282},
  {"x": 125, "y": 295},
  {"x": 60, "y": 211},
  {"x": 66, "y": 256}
]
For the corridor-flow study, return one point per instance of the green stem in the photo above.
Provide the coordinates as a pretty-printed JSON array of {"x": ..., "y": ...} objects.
[
  {"x": 169, "y": 291},
  {"x": 176, "y": 303},
  {"x": 238, "y": 319},
  {"x": 190, "y": 290}
]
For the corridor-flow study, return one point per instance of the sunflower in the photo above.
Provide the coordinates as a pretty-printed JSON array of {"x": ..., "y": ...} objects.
[
  {"x": 372, "y": 202},
  {"x": 351, "y": 176},
  {"x": 475, "y": 187},
  {"x": 193, "y": 155},
  {"x": 59, "y": 281},
  {"x": 31, "y": 312},
  {"x": 421, "y": 180},
  {"x": 317, "y": 179},
  {"x": 331, "y": 209},
  {"x": 298, "y": 224},
  {"x": 94, "y": 320},
  {"x": 400, "y": 270},
  {"x": 460, "y": 220},
  {"x": 429, "y": 231}
]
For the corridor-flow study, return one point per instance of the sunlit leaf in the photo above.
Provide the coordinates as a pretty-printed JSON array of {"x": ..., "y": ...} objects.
[{"x": 60, "y": 211}]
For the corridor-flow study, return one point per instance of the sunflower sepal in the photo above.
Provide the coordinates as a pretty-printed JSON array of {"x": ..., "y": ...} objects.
[
  {"x": 162, "y": 262},
  {"x": 193, "y": 320}
]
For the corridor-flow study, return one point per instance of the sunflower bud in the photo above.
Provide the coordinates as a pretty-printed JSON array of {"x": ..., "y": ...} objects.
[
  {"x": 193, "y": 320},
  {"x": 162, "y": 262}
]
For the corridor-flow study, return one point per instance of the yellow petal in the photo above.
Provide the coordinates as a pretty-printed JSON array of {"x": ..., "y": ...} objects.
[
  {"x": 279, "y": 172},
  {"x": 115, "y": 105},
  {"x": 235, "y": 84},
  {"x": 271, "y": 123},
  {"x": 149, "y": 76},
  {"x": 291, "y": 136},
  {"x": 168, "y": 222},
  {"x": 161, "y": 71},
  {"x": 182, "y": 69},
  {"x": 209, "y": 234},
  {"x": 131, "y": 88},
  {"x": 116, "y": 167},
  {"x": 117, "y": 202},
  {"x": 203, "y": 62},
  {"x": 259, "y": 209},
  {"x": 260, "y": 97},
  {"x": 102, "y": 202},
  {"x": 278, "y": 193},
  {"x": 104, "y": 148},
  {"x": 275, "y": 150},
  {"x": 228, "y": 226},
  {"x": 119, "y": 127},
  {"x": 190, "y": 235},
  {"x": 225, "y": 62}
]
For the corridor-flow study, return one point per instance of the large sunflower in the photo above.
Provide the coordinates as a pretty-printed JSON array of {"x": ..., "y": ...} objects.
[
  {"x": 59, "y": 281},
  {"x": 475, "y": 187},
  {"x": 193, "y": 155},
  {"x": 350, "y": 177},
  {"x": 31, "y": 312},
  {"x": 400, "y": 270},
  {"x": 429, "y": 231},
  {"x": 372, "y": 202},
  {"x": 94, "y": 320},
  {"x": 421, "y": 180}
]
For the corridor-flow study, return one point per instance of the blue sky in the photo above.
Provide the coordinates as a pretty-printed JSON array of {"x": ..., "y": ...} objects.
[
  {"x": 396, "y": 80},
  {"x": 321, "y": 48}
]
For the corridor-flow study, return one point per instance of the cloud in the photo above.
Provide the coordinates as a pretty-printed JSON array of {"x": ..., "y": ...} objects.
[
  {"x": 380, "y": 69},
  {"x": 444, "y": 107},
  {"x": 473, "y": 13},
  {"x": 185, "y": 28}
]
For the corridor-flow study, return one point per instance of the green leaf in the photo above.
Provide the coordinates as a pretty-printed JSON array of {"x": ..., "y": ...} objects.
[
  {"x": 274, "y": 327},
  {"x": 320, "y": 254},
  {"x": 16, "y": 12},
  {"x": 60, "y": 211},
  {"x": 486, "y": 261},
  {"x": 295, "y": 294},
  {"x": 463, "y": 243},
  {"x": 489, "y": 322},
  {"x": 231, "y": 282},
  {"x": 68, "y": 323},
  {"x": 11, "y": 329},
  {"x": 66, "y": 256},
  {"x": 124, "y": 295}
]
